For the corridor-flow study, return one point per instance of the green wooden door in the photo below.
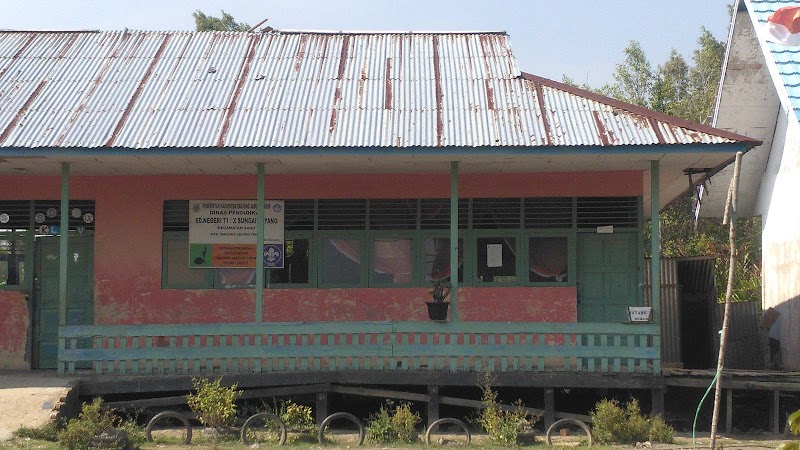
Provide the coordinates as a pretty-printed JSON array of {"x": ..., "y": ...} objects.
[
  {"x": 45, "y": 294},
  {"x": 607, "y": 276}
]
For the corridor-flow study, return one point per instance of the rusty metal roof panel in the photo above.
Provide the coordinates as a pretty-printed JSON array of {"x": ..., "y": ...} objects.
[
  {"x": 295, "y": 89},
  {"x": 578, "y": 117}
]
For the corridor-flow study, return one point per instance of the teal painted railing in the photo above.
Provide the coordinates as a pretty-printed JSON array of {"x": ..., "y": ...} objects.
[{"x": 268, "y": 347}]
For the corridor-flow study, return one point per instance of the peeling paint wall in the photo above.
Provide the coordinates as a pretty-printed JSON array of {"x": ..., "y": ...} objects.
[
  {"x": 14, "y": 324},
  {"x": 518, "y": 304},
  {"x": 128, "y": 250},
  {"x": 781, "y": 237},
  {"x": 495, "y": 304}
]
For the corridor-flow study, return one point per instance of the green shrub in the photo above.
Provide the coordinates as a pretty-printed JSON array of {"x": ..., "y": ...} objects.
[
  {"x": 392, "y": 425},
  {"x": 296, "y": 417},
  {"x": 46, "y": 432},
  {"x": 214, "y": 404},
  {"x": 794, "y": 427},
  {"x": 92, "y": 420},
  {"x": 503, "y": 426},
  {"x": 613, "y": 424},
  {"x": 659, "y": 431},
  {"x": 135, "y": 432}
]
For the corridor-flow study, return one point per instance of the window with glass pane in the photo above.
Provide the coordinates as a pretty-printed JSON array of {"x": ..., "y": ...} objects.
[
  {"x": 295, "y": 264},
  {"x": 392, "y": 261},
  {"x": 341, "y": 261},
  {"x": 12, "y": 261},
  {"x": 436, "y": 259},
  {"x": 497, "y": 260},
  {"x": 548, "y": 259},
  {"x": 178, "y": 273}
]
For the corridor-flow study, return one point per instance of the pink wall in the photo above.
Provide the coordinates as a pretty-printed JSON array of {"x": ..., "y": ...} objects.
[
  {"x": 511, "y": 304},
  {"x": 14, "y": 323},
  {"x": 518, "y": 304},
  {"x": 128, "y": 247}
]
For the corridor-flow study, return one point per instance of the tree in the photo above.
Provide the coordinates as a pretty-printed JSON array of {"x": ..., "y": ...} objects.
[
  {"x": 689, "y": 92},
  {"x": 704, "y": 77},
  {"x": 202, "y": 22},
  {"x": 634, "y": 78},
  {"x": 671, "y": 88}
]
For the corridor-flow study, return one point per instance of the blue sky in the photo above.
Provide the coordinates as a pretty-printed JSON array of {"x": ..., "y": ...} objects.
[{"x": 583, "y": 39}]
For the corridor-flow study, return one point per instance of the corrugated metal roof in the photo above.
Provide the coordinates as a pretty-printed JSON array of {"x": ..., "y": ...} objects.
[
  {"x": 787, "y": 58},
  {"x": 297, "y": 89}
]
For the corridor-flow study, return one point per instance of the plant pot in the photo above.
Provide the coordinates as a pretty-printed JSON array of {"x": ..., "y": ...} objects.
[{"x": 437, "y": 310}]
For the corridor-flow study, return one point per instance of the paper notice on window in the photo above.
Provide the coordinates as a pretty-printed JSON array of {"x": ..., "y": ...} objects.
[{"x": 494, "y": 255}]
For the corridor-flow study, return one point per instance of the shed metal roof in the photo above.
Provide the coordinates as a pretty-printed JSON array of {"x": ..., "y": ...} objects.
[{"x": 141, "y": 90}]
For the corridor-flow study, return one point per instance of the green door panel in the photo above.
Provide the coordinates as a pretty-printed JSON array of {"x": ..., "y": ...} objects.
[
  {"x": 607, "y": 269},
  {"x": 45, "y": 293}
]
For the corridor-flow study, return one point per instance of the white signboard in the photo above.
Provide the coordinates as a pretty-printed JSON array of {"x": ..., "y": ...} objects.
[
  {"x": 222, "y": 233},
  {"x": 494, "y": 255}
]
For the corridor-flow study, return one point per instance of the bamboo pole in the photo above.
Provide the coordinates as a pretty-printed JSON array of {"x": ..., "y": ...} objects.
[{"x": 730, "y": 217}]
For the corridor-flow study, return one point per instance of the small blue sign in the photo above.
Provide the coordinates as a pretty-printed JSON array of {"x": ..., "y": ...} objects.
[{"x": 273, "y": 256}]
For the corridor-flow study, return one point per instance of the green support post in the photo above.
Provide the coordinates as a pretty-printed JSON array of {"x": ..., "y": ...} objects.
[
  {"x": 64, "y": 245},
  {"x": 63, "y": 259},
  {"x": 655, "y": 242},
  {"x": 260, "y": 243},
  {"x": 454, "y": 241}
]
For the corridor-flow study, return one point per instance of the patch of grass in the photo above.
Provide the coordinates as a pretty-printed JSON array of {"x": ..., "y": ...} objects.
[
  {"x": 47, "y": 432},
  {"x": 91, "y": 421}
]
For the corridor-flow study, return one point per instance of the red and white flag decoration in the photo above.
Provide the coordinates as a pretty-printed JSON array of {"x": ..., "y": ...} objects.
[{"x": 783, "y": 26}]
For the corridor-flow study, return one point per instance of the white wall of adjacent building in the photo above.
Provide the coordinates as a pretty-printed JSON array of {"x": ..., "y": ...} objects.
[{"x": 779, "y": 206}]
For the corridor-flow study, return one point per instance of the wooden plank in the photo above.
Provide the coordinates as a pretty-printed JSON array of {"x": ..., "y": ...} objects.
[
  {"x": 775, "y": 416},
  {"x": 321, "y": 408},
  {"x": 93, "y": 385},
  {"x": 549, "y": 407},
  {"x": 147, "y": 403},
  {"x": 285, "y": 391},
  {"x": 433, "y": 404},
  {"x": 728, "y": 410},
  {"x": 531, "y": 411},
  {"x": 734, "y": 384},
  {"x": 330, "y": 328},
  {"x": 657, "y": 402},
  {"x": 380, "y": 393}
]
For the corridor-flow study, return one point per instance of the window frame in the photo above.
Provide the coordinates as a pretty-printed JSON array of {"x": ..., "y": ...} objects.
[
  {"x": 312, "y": 272},
  {"x": 27, "y": 237},
  {"x": 500, "y": 233},
  {"x": 414, "y": 237},
  {"x": 468, "y": 234},
  {"x": 420, "y": 256},
  {"x": 166, "y": 237},
  {"x": 571, "y": 237},
  {"x": 321, "y": 236}
]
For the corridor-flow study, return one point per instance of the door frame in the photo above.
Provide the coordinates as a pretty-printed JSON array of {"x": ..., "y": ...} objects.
[
  {"x": 84, "y": 241},
  {"x": 635, "y": 237}
]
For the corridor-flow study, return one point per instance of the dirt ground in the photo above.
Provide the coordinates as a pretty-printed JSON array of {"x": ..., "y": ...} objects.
[
  {"x": 27, "y": 398},
  {"x": 683, "y": 442}
]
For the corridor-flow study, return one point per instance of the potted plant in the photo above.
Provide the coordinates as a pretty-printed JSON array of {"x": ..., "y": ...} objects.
[{"x": 437, "y": 308}]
